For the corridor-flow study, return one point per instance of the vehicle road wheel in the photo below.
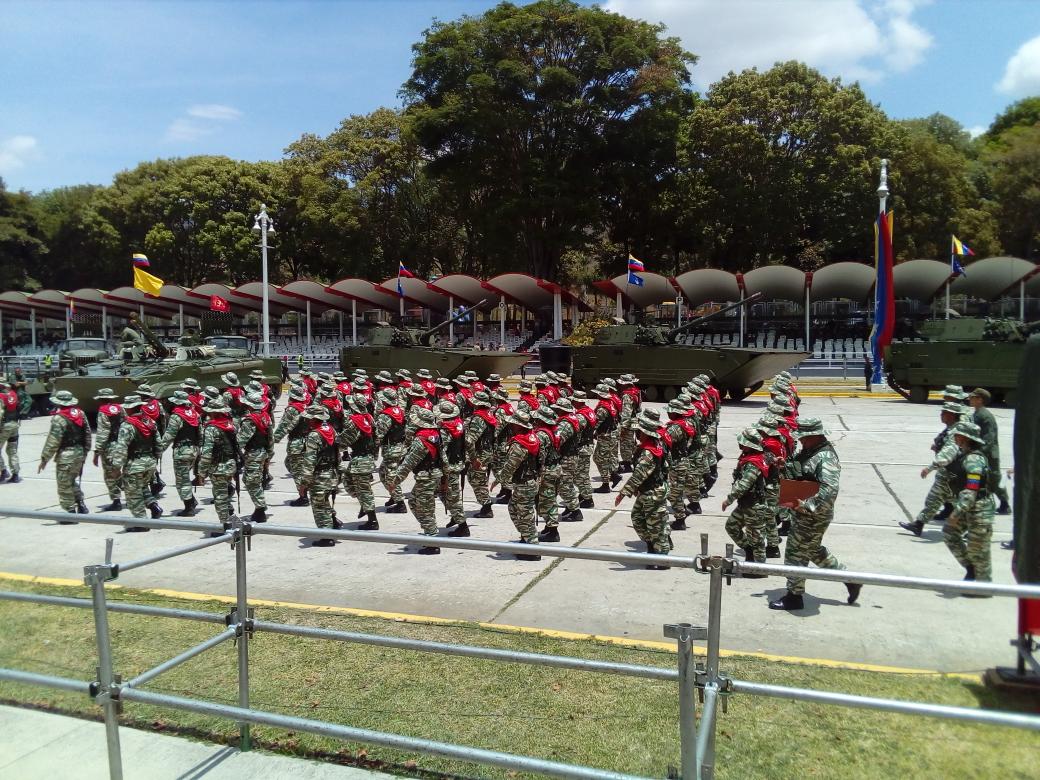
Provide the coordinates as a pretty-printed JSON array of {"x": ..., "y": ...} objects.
[
  {"x": 670, "y": 392},
  {"x": 651, "y": 393},
  {"x": 919, "y": 394}
]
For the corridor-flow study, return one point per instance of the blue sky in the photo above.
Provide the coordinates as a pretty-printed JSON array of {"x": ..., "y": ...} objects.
[{"x": 91, "y": 88}]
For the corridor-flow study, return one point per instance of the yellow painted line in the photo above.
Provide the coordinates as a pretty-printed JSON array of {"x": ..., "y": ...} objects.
[{"x": 643, "y": 644}]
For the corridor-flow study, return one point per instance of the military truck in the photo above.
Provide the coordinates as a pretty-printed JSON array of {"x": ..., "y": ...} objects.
[{"x": 967, "y": 351}]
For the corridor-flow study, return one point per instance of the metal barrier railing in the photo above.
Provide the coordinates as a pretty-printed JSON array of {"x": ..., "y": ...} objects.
[{"x": 697, "y": 741}]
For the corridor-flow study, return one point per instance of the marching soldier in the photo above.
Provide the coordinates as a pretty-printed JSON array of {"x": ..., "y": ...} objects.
[
  {"x": 329, "y": 398},
  {"x": 969, "y": 528},
  {"x": 10, "y": 415},
  {"x": 983, "y": 417},
  {"x": 310, "y": 384},
  {"x": 426, "y": 381},
  {"x": 109, "y": 418},
  {"x": 946, "y": 451},
  {"x": 552, "y": 472},
  {"x": 293, "y": 426},
  {"x": 683, "y": 434},
  {"x": 649, "y": 483},
  {"x": 404, "y": 381},
  {"x": 773, "y": 445},
  {"x": 480, "y": 432},
  {"x": 136, "y": 452},
  {"x": 154, "y": 411},
  {"x": 256, "y": 437},
  {"x": 503, "y": 411},
  {"x": 389, "y": 433},
  {"x": 220, "y": 458},
  {"x": 453, "y": 465},
  {"x": 816, "y": 461},
  {"x": 183, "y": 434},
  {"x": 233, "y": 396},
  {"x": 520, "y": 471},
  {"x": 464, "y": 395},
  {"x": 544, "y": 392},
  {"x": 359, "y": 434},
  {"x": 527, "y": 401},
  {"x": 492, "y": 384},
  {"x": 586, "y": 446},
  {"x": 605, "y": 456},
  {"x": 745, "y": 525},
  {"x": 631, "y": 403},
  {"x": 569, "y": 428},
  {"x": 319, "y": 469},
  {"x": 423, "y": 457},
  {"x": 68, "y": 441},
  {"x": 193, "y": 391}
]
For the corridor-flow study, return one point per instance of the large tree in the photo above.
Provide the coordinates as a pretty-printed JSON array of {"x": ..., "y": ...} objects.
[
  {"x": 22, "y": 250},
  {"x": 781, "y": 167},
  {"x": 526, "y": 112}
]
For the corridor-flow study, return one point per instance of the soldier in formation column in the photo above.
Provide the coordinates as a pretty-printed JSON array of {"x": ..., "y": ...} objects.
[
  {"x": 183, "y": 434},
  {"x": 68, "y": 442},
  {"x": 136, "y": 452},
  {"x": 10, "y": 416},
  {"x": 109, "y": 419}
]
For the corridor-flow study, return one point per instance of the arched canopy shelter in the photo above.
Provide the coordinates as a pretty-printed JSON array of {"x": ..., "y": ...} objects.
[
  {"x": 363, "y": 291},
  {"x": 656, "y": 289},
  {"x": 135, "y": 300},
  {"x": 920, "y": 280},
  {"x": 535, "y": 294},
  {"x": 461, "y": 287},
  {"x": 417, "y": 292},
  {"x": 708, "y": 284},
  {"x": 992, "y": 277},
  {"x": 22, "y": 305},
  {"x": 776, "y": 282},
  {"x": 852, "y": 281},
  {"x": 204, "y": 292}
]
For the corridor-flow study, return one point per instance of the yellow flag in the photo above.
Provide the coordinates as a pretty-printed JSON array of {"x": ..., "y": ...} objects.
[{"x": 147, "y": 283}]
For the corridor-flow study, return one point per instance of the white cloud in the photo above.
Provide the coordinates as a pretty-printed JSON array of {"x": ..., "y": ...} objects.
[
  {"x": 976, "y": 130},
  {"x": 199, "y": 121},
  {"x": 1022, "y": 73},
  {"x": 855, "y": 39},
  {"x": 16, "y": 151},
  {"x": 214, "y": 111}
]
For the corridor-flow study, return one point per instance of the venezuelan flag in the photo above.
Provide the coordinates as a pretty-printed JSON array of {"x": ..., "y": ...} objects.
[
  {"x": 884, "y": 293},
  {"x": 404, "y": 272},
  {"x": 140, "y": 260},
  {"x": 635, "y": 265},
  {"x": 960, "y": 248}
]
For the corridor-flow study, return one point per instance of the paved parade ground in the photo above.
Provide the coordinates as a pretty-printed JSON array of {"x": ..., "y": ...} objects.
[{"x": 883, "y": 443}]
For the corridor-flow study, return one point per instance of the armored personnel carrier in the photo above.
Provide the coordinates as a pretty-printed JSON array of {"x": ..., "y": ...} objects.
[
  {"x": 663, "y": 364},
  {"x": 164, "y": 368},
  {"x": 967, "y": 351},
  {"x": 391, "y": 347}
]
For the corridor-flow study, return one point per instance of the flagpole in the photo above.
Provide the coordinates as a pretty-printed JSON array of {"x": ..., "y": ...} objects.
[
  {"x": 952, "y": 257},
  {"x": 882, "y": 193}
]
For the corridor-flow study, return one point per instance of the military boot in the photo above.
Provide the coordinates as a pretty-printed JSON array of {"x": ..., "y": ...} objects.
[
  {"x": 784, "y": 529},
  {"x": 15, "y": 479},
  {"x": 300, "y": 501},
  {"x": 624, "y": 467},
  {"x": 549, "y": 535},
  {"x": 460, "y": 531},
  {"x": 503, "y": 496},
  {"x": 1003, "y": 509},
  {"x": 397, "y": 508},
  {"x": 5, "y": 475},
  {"x": 527, "y": 556},
  {"x": 970, "y": 573},
  {"x": 156, "y": 510},
  {"x": 259, "y": 515},
  {"x": 916, "y": 527},
  {"x": 694, "y": 507},
  {"x": 749, "y": 556},
  {"x": 853, "y": 588},
  {"x": 81, "y": 508},
  {"x": 615, "y": 478},
  {"x": 772, "y": 551},
  {"x": 485, "y": 511},
  {"x": 191, "y": 507},
  {"x": 604, "y": 488},
  {"x": 371, "y": 524},
  {"x": 69, "y": 522},
  {"x": 573, "y": 516},
  {"x": 428, "y": 550},
  {"x": 943, "y": 513},
  {"x": 679, "y": 524},
  {"x": 586, "y": 503},
  {"x": 115, "y": 506},
  {"x": 789, "y": 601}
]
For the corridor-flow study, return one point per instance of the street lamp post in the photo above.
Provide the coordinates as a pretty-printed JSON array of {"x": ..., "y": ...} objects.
[{"x": 264, "y": 225}]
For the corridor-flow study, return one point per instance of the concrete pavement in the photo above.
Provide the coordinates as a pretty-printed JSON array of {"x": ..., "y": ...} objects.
[
  {"x": 41, "y": 745},
  {"x": 883, "y": 444}
]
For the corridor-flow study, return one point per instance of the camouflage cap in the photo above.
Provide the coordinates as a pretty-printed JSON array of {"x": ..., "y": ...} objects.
[
  {"x": 339, "y": 376},
  {"x": 955, "y": 408},
  {"x": 105, "y": 393},
  {"x": 501, "y": 394},
  {"x": 64, "y": 398},
  {"x": 211, "y": 392},
  {"x": 610, "y": 383},
  {"x": 544, "y": 414},
  {"x": 358, "y": 402},
  {"x": 470, "y": 373},
  {"x": 214, "y": 406},
  {"x": 424, "y": 373},
  {"x": 297, "y": 393},
  {"x": 254, "y": 401},
  {"x": 481, "y": 398},
  {"x": 315, "y": 412},
  {"x": 387, "y": 396},
  {"x": 133, "y": 401},
  {"x": 425, "y": 417},
  {"x": 579, "y": 396},
  {"x": 254, "y": 387},
  {"x": 601, "y": 391},
  {"x": 443, "y": 383},
  {"x": 969, "y": 430},
  {"x": 257, "y": 374},
  {"x": 541, "y": 379},
  {"x": 677, "y": 406},
  {"x": 811, "y": 426},
  {"x": 191, "y": 384},
  {"x": 385, "y": 377},
  {"x": 179, "y": 398},
  {"x": 462, "y": 380},
  {"x": 417, "y": 391},
  {"x": 521, "y": 418},
  {"x": 494, "y": 378},
  {"x": 145, "y": 390},
  {"x": 647, "y": 425},
  {"x": 750, "y": 438},
  {"x": 404, "y": 373},
  {"x": 563, "y": 405},
  {"x": 524, "y": 385},
  {"x": 447, "y": 410},
  {"x": 230, "y": 379}
]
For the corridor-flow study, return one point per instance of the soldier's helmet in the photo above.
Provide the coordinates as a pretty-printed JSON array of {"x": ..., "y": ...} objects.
[
  {"x": 230, "y": 379},
  {"x": 811, "y": 426},
  {"x": 64, "y": 398},
  {"x": 969, "y": 430},
  {"x": 107, "y": 394},
  {"x": 481, "y": 398},
  {"x": 447, "y": 410},
  {"x": 750, "y": 438}
]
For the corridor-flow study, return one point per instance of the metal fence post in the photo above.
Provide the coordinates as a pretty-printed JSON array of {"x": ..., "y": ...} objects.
[
  {"x": 684, "y": 634},
  {"x": 244, "y": 630},
  {"x": 95, "y": 577},
  {"x": 706, "y": 734}
]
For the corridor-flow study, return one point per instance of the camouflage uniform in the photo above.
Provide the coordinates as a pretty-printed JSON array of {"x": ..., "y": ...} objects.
[
  {"x": 183, "y": 434},
  {"x": 319, "y": 466},
  {"x": 987, "y": 423},
  {"x": 10, "y": 414},
  {"x": 520, "y": 471},
  {"x": 136, "y": 452},
  {"x": 745, "y": 524},
  {"x": 254, "y": 432},
  {"x": 568, "y": 431},
  {"x": 583, "y": 453},
  {"x": 67, "y": 442},
  {"x": 453, "y": 462},
  {"x": 551, "y": 469},
  {"x": 649, "y": 483},
  {"x": 109, "y": 420},
  {"x": 631, "y": 400},
  {"x": 969, "y": 528},
  {"x": 390, "y": 431},
  {"x": 219, "y": 456},
  {"x": 946, "y": 452},
  {"x": 805, "y": 544},
  {"x": 605, "y": 455},
  {"x": 683, "y": 434},
  {"x": 697, "y": 453},
  {"x": 359, "y": 434},
  {"x": 293, "y": 426},
  {"x": 481, "y": 430},
  {"x": 423, "y": 457}
]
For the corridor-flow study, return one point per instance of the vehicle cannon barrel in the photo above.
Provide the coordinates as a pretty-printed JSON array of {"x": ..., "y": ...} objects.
[
  {"x": 424, "y": 337},
  {"x": 675, "y": 332}
]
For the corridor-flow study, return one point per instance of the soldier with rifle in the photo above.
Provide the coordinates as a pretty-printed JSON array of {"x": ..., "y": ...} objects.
[
  {"x": 390, "y": 434},
  {"x": 154, "y": 411},
  {"x": 183, "y": 434},
  {"x": 68, "y": 442},
  {"x": 136, "y": 452},
  {"x": 545, "y": 422},
  {"x": 569, "y": 429},
  {"x": 586, "y": 446},
  {"x": 109, "y": 420},
  {"x": 220, "y": 458},
  {"x": 319, "y": 469},
  {"x": 356, "y": 473},
  {"x": 480, "y": 430},
  {"x": 453, "y": 466},
  {"x": 423, "y": 457},
  {"x": 631, "y": 403},
  {"x": 293, "y": 426},
  {"x": 519, "y": 470},
  {"x": 255, "y": 433},
  {"x": 10, "y": 421}
]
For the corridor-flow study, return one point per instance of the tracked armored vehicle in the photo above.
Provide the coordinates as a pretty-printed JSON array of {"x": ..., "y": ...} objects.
[
  {"x": 664, "y": 365},
  {"x": 967, "y": 351},
  {"x": 390, "y": 348}
]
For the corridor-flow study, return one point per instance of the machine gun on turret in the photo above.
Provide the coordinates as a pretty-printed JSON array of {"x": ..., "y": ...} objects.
[
  {"x": 405, "y": 337},
  {"x": 153, "y": 341}
]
